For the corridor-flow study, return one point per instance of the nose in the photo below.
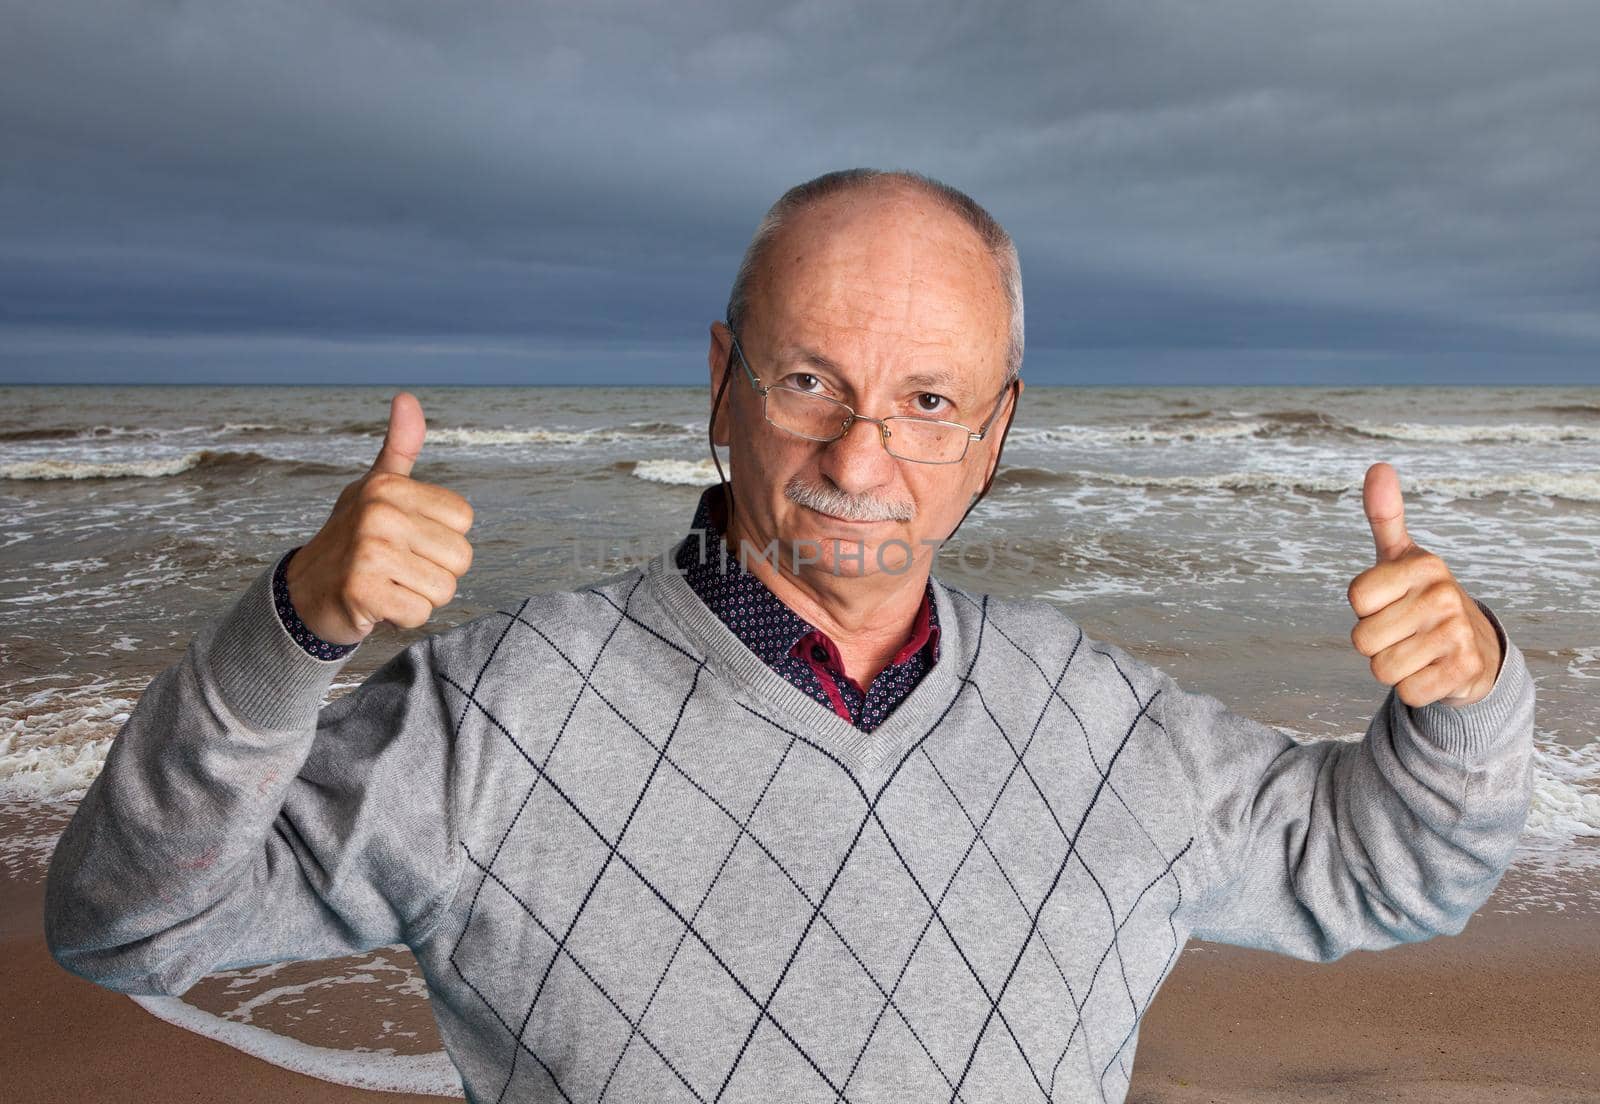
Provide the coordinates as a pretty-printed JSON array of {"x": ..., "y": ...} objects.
[{"x": 858, "y": 462}]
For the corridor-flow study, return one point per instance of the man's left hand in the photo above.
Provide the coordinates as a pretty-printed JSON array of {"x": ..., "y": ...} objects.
[{"x": 1425, "y": 636}]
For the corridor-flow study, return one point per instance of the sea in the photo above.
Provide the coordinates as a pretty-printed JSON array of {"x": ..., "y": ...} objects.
[{"x": 1211, "y": 530}]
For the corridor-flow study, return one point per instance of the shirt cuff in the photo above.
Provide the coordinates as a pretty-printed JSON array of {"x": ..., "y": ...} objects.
[
  {"x": 313, "y": 644},
  {"x": 264, "y": 676}
]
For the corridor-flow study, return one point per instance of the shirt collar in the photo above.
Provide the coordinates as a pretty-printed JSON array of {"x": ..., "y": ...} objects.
[{"x": 760, "y": 619}]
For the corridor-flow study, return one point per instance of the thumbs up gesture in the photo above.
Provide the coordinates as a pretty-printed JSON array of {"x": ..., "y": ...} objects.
[
  {"x": 1424, "y": 635},
  {"x": 391, "y": 550}
]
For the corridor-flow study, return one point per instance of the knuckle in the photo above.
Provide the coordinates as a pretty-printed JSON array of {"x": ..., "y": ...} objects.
[
  {"x": 380, "y": 518},
  {"x": 369, "y": 488},
  {"x": 1440, "y": 596},
  {"x": 366, "y": 557},
  {"x": 421, "y": 609}
]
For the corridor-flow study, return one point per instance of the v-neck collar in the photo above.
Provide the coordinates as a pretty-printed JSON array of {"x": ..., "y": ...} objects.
[{"x": 866, "y": 753}]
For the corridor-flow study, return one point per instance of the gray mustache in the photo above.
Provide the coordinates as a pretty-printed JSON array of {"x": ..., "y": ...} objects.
[{"x": 850, "y": 507}]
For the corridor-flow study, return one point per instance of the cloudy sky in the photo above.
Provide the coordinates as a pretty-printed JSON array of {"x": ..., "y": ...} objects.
[{"x": 414, "y": 191}]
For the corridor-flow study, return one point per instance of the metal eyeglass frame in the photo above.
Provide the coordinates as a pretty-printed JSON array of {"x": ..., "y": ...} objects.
[{"x": 851, "y": 417}]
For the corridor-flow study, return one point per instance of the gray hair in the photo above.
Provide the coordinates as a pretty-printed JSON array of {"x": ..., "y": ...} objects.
[{"x": 802, "y": 196}]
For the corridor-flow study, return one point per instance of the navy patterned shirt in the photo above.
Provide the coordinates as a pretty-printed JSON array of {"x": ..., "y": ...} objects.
[
  {"x": 787, "y": 642},
  {"x": 791, "y": 645},
  {"x": 296, "y": 628}
]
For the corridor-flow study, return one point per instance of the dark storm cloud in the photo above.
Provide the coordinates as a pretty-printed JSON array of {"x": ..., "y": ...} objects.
[{"x": 502, "y": 191}]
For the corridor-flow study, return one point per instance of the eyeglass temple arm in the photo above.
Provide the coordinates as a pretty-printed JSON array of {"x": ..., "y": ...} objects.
[
  {"x": 993, "y": 414},
  {"x": 755, "y": 380}
]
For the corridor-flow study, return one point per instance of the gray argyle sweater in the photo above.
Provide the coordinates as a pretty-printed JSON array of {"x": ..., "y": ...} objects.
[{"x": 637, "y": 864}]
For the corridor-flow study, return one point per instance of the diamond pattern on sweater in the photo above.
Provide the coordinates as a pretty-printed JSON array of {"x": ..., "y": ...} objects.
[{"x": 715, "y": 905}]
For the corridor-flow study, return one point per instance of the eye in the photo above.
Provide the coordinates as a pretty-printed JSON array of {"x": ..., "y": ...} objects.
[
  {"x": 802, "y": 381},
  {"x": 927, "y": 402}
]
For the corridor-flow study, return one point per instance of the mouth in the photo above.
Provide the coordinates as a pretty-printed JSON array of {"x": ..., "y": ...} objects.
[{"x": 846, "y": 521}]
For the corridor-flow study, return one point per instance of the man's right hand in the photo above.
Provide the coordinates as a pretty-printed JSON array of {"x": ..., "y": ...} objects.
[{"x": 391, "y": 550}]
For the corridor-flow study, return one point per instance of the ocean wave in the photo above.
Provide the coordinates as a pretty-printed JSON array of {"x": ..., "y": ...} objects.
[
  {"x": 689, "y": 473},
  {"x": 102, "y": 469},
  {"x": 1293, "y": 424},
  {"x": 1511, "y": 433},
  {"x": 1590, "y": 409},
  {"x": 157, "y": 467},
  {"x": 1138, "y": 433},
  {"x": 53, "y": 742},
  {"x": 1566, "y": 791},
  {"x": 82, "y": 433},
  {"x": 1575, "y": 486},
  {"x": 55, "y": 433},
  {"x": 541, "y": 435},
  {"x": 148, "y": 433},
  {"x": 1022, "y": 475}
]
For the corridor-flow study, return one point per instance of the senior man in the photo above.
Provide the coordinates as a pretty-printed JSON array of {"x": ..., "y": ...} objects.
[{"x": 802, "y": 824}]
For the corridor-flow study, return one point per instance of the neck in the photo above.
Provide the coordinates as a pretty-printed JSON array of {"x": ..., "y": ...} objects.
[{"x": 868, "y": 617}]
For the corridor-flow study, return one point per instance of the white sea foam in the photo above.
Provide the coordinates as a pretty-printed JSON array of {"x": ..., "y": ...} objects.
[
  {"x": 1576, "y": 486},
  {"x": 1140, "y": 433},
  {"x": 1566, "y": 792},
  {"x": 1248, "y": 425},
  {"x": 62, "y": 468},
  {"x": 53, "y": 742},
  {"x": 1512, "y": 432},
  {"x": 1586, "y": 664},
  {"x": 433, "y": 1074},
  {"x": 694, "y": 473},
  {"x": 543, "y": 436}
]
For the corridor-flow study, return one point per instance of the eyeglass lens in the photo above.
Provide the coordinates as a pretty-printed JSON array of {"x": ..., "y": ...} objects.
[{"x": 821, "y": 418}]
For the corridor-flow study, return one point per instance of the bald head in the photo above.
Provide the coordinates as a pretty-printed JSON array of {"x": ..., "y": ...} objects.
[{"x": 875, "y": 206}]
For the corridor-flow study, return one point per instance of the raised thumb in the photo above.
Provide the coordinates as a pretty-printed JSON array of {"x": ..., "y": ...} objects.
[
  {"x": 403, "y": 443},
  {"x": 1386, "y": 512}
]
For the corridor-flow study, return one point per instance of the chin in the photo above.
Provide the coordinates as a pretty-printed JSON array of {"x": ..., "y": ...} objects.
[{"x": 852, "y": 555}]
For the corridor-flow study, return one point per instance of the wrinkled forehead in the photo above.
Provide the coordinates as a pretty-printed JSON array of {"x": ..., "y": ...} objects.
[{"x": 892, "y": 282}]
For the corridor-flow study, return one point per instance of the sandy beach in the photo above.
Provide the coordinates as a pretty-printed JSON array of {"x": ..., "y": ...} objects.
[{"x": 1507, "y": 1011}]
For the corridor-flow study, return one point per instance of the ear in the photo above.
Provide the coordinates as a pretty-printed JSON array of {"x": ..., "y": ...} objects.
[{"x": 717, "y": 360}]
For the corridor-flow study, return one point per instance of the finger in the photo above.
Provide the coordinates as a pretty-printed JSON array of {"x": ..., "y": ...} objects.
[
  {"x": 1428, "y": 685},
  {"x": 440, "y": 544},
  {"x": 1388, "y": 626},
  {"x": 404, "y": 607},
  {"x": 1418, "y": 609},
  {"x": 439, "y": 503},
  {"x": 1386, "y": 512},
  {"x": 426, "y": 578},
  {"x": 403, "y": 441},
  {"x": 1379, "y": 587},
  {"x": 1402, "y": 660}
]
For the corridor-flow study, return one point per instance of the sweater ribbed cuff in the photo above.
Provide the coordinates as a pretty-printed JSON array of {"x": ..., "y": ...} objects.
[
  {"x": 266, "y": 678},
  {"x": 1473, "y": 732}
]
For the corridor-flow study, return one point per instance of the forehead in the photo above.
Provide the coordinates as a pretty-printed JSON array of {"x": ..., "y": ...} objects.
[{"x": 889, "y": 278}]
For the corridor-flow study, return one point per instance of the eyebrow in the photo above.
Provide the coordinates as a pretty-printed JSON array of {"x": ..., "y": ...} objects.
[{"x": 939, "y": 377}]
